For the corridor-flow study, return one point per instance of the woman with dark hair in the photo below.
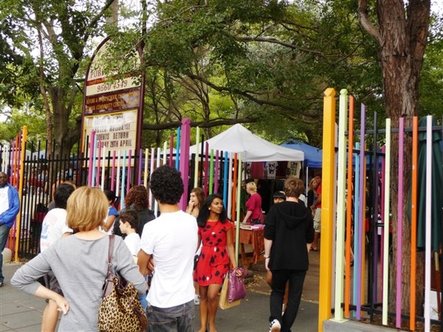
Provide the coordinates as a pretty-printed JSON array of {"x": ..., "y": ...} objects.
[
  {"x": 137, "y": 199},
  {"x": 196, "y": 199},
  {"x": 217, "y": 255}
]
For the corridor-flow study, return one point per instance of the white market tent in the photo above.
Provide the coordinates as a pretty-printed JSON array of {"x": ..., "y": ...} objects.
[{"x": 251, "y": 147}]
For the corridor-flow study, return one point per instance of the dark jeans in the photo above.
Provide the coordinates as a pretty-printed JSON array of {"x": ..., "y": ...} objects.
[
  {"x": 279, "y": 279},
  {"x": 179, "y": 318},
  {"x": 4, "y": 232}
]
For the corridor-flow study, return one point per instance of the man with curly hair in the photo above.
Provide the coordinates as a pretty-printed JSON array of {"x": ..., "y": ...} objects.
[{"x": 168, "y": 246}]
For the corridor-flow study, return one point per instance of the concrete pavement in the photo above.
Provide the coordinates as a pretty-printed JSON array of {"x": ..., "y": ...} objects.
[{"x": 22, "y": 313}]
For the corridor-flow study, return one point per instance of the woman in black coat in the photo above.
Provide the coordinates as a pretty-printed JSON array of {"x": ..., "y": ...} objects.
[{"x": 288, "y": 233}]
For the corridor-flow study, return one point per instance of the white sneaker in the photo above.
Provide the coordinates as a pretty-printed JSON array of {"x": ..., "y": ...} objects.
[
  {"x": 274, "y": 326},
  {"x": 196, "y": 299}
]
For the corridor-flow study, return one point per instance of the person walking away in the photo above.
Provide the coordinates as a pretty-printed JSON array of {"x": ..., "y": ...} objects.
[
  {"x": 316, "y": 208},
  {"x": 196, "y": 199},
  {"x": 80, "y": 263},
  {"x": 288, "y": 230},
  {"x": 254, "y": 214},
  {"x": 53, "y": 228},
  {"x": 170, "y": 241},
  {"x": 9, "y": 207},
  {"x": 216, "y": 257}
]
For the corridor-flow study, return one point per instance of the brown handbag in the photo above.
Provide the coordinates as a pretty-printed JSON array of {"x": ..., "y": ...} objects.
[{"x": 120, "y": 309}]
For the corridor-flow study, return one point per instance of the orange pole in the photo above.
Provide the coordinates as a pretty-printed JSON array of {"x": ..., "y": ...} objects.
[
  {"x": 412, "y": 289},
  {"x": 349, "y": 208}
]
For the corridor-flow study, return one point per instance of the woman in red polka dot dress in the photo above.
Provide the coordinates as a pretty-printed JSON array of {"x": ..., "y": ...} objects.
[{"x": 216, "y": 256}]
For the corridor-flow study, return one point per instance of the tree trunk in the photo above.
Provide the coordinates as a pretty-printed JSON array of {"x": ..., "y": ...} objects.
[{"x": 401, "y": 33}]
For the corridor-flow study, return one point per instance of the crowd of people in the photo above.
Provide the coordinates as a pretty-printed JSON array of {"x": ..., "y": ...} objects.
[{"x": 175, "y": 260}]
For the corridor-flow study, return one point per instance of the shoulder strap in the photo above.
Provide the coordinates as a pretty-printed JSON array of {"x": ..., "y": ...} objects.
[{"x": 110, "y": 250}]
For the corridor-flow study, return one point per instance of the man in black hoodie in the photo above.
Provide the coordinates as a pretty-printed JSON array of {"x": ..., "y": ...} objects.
[{"x": 288, "y": 232}]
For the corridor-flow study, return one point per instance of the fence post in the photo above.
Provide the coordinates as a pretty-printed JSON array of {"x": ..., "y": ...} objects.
[
  {"x": 327, "y": 206},
  {"x": 20, "y": 190}
]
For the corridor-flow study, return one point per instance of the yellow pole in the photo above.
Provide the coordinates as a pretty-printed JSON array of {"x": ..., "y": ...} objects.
[
  {"x": 327, "y": 207},
  {"x": 20, "y": 190}
]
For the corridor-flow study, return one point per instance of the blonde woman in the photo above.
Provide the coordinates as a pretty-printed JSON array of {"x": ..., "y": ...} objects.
[
  {"x": 79, "y": 262},
  {"x": 254, "y": 214}
]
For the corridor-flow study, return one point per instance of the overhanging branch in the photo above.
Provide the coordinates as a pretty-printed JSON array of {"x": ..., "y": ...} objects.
[{"x": 365, "y": 22}]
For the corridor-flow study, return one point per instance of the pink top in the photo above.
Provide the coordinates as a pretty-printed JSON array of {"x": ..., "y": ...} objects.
[{"x": 254, "y": 204}]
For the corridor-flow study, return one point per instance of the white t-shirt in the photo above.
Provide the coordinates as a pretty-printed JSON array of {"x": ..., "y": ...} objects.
[
  {"x": 4, "y": 199},
  {"x": 53, "y": 228},
  {"x": 133, "y": 241},
  {"x": 172, "y": 240}
]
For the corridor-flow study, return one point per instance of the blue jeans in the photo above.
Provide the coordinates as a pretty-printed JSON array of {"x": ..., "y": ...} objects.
[
  {"x": 179, "y": 318},
  {"x": 4, "y": 232}
]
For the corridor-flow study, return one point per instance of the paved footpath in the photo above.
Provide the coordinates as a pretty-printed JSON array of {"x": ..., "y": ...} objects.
[{"x": 21, "y": 312}]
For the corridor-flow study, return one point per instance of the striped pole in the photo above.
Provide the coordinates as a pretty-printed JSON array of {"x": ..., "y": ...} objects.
[
  {"x": 327, "y": 209},
  {"x": 413, "y": 278},
  {"x": 428, "y": 216},
  {"x": 340, "y": 223},
  {"x": 399, "y": 231},
  {"x": 386, "y": 224},
  {"x": 349, "y": 207}
]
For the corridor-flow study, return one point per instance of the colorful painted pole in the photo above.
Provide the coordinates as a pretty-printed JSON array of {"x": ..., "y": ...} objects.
[
  {"x": 139, "y": 168},
  {"x": 327, "y": 209},
  {"x": 225, "y": 179},
  {"x": 177, "y": 149},
  {"x": 102, "y": 186},
  {"x": 165, "y": 152},
  {"x": 129, "y": 177},
  {"x": 374, "y": 228},
  {"x": 211, "y": 172},
  {"x": 386, "y": 224},
  {"x": 91, "y": 157},
  {"x": 217, "y": 170},
  {"x": 99, "y": 156},
  {"x": 157, "y": 164},
  {"x": 428, "y": 216},
  {"x": 349, "y": 188},
  {"x": 399, "y": 231},
  {"x": 94, "y": 160},
  {"x": 357, "y": 226},
  {"x": 234, "y": 186},
  {"x": 151, "y": 169},
  {"x": 340, "y": 221},
  {"x": 117, "y": 181},
  {"x": 184, "y": 159},
  {"x": 196, "y": 160},
  {"x": 122, "y": 187},
  {"x": 171, "y": 151},
  {"x": 237, "y": 224},
  {"x": 413, "y": 278},
  {"x": 145, "y": 168},
  {"x": 228, "y": 205},
  {"x": 113, "y": 171},
  {"x": 206, "y": 170}
]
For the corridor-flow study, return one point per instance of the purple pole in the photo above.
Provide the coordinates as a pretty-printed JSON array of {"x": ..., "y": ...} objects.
[
  {"x": 177, "y": 149},
  {"x": 140, "y": 163},
  {"x": 216, "y": 172},
  {"x": 128, "y": 179},
  {"x": 398, "y": 259},
  {"x": 361, "y": 198},
  {"x": 206, "y": 170},
  {"x": 184, "y": 159}
]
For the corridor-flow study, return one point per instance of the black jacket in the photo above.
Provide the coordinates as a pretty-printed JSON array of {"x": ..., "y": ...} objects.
[{"x": 290, "y": 227}]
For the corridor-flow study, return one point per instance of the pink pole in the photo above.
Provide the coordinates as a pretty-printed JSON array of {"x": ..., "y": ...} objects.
[
  {"x": 216, "y": 171},
  {"x": 113, "y": 171},
  {"x": 184, "y": 159},
  {"x": 399, "y": 223},
  {"x": 97, "y": 175}
]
